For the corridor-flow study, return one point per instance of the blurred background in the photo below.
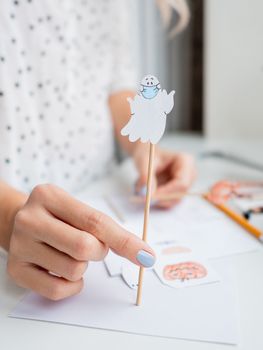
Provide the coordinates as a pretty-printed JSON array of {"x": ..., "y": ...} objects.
[{"x": 215, "y": 65}]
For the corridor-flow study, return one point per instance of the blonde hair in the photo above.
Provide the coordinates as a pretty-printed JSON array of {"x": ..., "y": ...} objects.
[{"x": 180, "y": 6}]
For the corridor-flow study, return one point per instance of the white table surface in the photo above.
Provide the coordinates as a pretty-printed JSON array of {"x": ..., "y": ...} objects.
[{"x": 32, "y": 335}]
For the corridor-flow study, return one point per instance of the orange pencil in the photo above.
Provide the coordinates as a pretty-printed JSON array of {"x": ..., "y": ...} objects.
[{"x": 240, "y": 220}]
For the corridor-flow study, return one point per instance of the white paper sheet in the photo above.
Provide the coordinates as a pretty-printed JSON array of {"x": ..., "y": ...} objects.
[
  {"x": 205, "y": 313},
  {"x": 195, "y": 222}
]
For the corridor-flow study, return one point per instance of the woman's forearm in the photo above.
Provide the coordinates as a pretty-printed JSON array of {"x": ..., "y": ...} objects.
[{"x": 11, "y": 201}]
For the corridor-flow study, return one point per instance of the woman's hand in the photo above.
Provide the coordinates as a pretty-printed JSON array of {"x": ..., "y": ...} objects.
[
  {"x": 173, "y": 172},
  {"x": 54, "y": 236}
]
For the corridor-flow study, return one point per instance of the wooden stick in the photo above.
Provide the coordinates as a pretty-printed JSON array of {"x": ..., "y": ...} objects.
[{"x": 146, "y": 217}]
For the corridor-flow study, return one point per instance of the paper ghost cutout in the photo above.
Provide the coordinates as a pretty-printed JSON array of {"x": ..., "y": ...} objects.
[{"x": 148, "y": 112}]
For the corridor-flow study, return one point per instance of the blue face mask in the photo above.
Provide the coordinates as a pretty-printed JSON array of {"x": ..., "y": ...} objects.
[{"x": 149, "y": 91}]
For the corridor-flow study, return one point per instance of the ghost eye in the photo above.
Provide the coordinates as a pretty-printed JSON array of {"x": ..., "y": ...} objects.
[{"x": 151, "y": 83}]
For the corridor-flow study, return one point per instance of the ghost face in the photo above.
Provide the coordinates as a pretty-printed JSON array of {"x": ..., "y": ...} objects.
[{"x": 150, "y": 86}]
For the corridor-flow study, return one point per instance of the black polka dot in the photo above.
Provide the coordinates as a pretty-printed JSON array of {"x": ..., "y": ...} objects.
[
  {"x": 1, "y": 94},
  {"x": 16, "y": 3},
  {"x": 8, "y": 127},
  {"x": 7, "y": 160}
]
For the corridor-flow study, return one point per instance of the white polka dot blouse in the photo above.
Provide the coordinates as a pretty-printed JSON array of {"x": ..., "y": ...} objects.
[{"x": 59, "y": 62}]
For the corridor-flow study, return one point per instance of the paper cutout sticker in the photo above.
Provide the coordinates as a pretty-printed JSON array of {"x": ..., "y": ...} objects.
[
  {"x": 129, "y": 273},
  {"x": 148, "y": 112},
  {"x": 182, "y": 268}
]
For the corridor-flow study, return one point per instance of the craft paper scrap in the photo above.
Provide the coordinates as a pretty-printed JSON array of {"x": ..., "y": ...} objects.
[
  {"x": 184, "y": 270},
  {"x": 178, "y": 266},
  {"x": 129, "y": 273},
  {"x": 196, "y": 222},
  {"x": 113, "y": 263}
]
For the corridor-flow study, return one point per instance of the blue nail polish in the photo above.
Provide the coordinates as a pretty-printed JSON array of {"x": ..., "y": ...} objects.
[
  {"x": 154, "y": 202},
  {"x": 145, "y": 259},
  {"x": 142, "y": 192}
]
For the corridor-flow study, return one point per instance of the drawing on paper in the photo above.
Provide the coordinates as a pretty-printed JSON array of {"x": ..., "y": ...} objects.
[{"x": 184, "y": 271}]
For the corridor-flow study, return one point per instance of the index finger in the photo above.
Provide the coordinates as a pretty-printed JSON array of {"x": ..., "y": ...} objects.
[{"x": 104, "y": 228}]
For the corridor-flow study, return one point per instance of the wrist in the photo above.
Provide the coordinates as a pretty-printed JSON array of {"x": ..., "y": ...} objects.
[{"x": 11, "y": 201}]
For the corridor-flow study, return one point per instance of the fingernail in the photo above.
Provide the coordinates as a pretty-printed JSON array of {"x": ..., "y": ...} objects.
[
  {"x": 154, "y": 202},
  {"x": 145, "y": 259},
  {"x": 142, "y": 191}
]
